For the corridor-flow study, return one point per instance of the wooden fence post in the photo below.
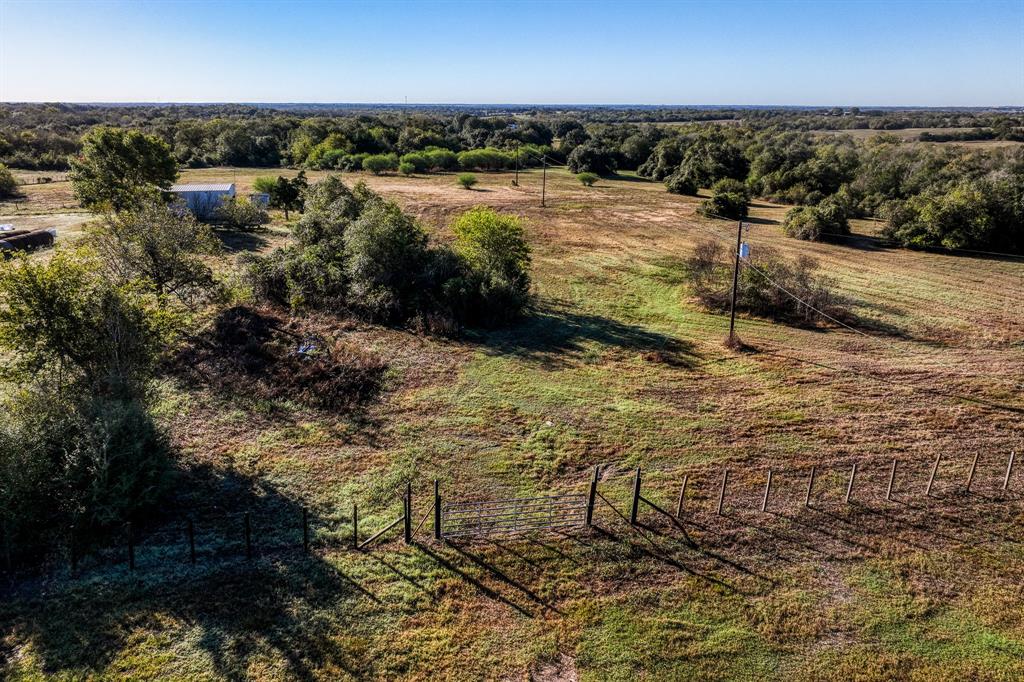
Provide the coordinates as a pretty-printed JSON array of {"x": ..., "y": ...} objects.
[
  {"x": 810, "y": 487},
  {"x": 248, "y": 536},
  {"x": 931, "y": 478},
  {"x": 682, "y": 497},
  {"x": 892, "y": 479},
  {"x": 636, "y": 498},
  {"x": 408, "y": 513},
  {"x": 191, "y": 542},
  {"x": 970, "y": 475},
  {"x": 767, "y": 490},
  {"x": 849, "y": 486},
  {"x": 721, "y": 494},
  {"x": 131, "y": 547},
  {"x": 305, "y": 530},
  {"x": 7, "y": 546},
  {"x": 437, "y": 510},
  {"x": 592, "y": 496},
  {"x": 1009, "y": 470}
]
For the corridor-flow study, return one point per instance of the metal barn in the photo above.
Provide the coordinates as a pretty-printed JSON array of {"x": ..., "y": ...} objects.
[{"x": 203, "y": 198}]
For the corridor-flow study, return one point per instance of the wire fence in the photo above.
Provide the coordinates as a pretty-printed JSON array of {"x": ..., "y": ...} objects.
[{"x": 208, "y": 538}]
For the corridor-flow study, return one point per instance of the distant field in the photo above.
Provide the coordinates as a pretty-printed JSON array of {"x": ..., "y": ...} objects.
[{"x": 617, "y": 367}]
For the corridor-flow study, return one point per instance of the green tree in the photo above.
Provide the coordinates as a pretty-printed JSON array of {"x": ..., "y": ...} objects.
[
  {"x": 467, "y": 180},
  {"x": 494, "y": 248},
  {"x": 287, "y": 194},
  {"x": 116, "y": 165},
  {"x": 8, "y": 185},
  {"x": 159, "y": 245}
]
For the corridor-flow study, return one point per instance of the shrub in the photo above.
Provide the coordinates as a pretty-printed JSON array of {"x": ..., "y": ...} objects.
[
  {"x": 815, "y": 223},
  {"x": 709, "y": 275},
  {"x": 587, "y": 179},
  {"x": 264, "y": 184},
  {"x": 725, "y": 205},
  {"x": 385, "y": 250},
  {"x": 494, "y": 248},
  {"x": 467, "y": 180},
  {"x": 8, "y": 185},
  {"x": 487, "y": 159},
  {"x": 441, "y": 159},
  {"x": 418, "y": 161},
  {"x": 406, "y": 168},
  {"x": 380, "y": 163},
  {"x": 241, "y": 214}
]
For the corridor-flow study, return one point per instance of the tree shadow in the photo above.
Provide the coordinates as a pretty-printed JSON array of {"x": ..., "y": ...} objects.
[
  {"x": 280, "y": 602},
  {"x": 555, "y": 335},
  {"x": 237, "y": 241}
]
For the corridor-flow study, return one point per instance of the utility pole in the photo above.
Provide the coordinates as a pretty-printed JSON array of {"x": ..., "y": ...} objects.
[
  {"x": 516, "y": 182},
  {"x": 544, "y": 180},
  {"x": 735, "y": 283}
]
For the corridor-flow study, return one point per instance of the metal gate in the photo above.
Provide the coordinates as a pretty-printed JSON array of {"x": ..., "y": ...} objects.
[{"x": 505, "y": 517}]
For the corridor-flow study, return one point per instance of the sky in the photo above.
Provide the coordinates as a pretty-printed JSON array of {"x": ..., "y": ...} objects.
[{"x": 854, "y": 53}]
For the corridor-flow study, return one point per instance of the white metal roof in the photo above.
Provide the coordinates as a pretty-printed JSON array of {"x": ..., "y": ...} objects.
[{"x": 202, "y": 187}]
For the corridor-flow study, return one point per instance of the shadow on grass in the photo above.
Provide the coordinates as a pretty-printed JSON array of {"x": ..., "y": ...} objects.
[
  {"x": 226, "y": 613},
  {"x": 556, "y": 335},
  {"x": 237, "y": 241}
]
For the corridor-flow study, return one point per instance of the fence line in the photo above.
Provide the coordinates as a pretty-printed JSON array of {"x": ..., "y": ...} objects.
[{"x": 464, "y": 519}]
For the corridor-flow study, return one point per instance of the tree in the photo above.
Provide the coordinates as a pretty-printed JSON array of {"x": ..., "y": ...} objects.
[
  {"x": 158, "y": 244},
  {"x": 8, "y": 185},
  {"x": 587, "y": 179},
  {"x": 407, "y": 168},
  {"x": 729, "y": 200},
  {"x": 467, "y": 180},
  {"x": 494, "y": 248},
  {"x": 287, "y": 194},
  {"x": 116, "y": 165},
  {"x": 241, "y": 214},
  {"x": 380, "y": 163},
  {"x": 591, "y": 157}
]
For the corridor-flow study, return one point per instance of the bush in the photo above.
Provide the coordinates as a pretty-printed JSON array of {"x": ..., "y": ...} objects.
[
  {"x": 385, "y": 251},
  {"x": 725, "y": 205},
  {"x": 264, "y": 184},
  {"x": 587, "y": 179},
  {"x": 467, "y": 180},
  {"x": 709, "y": 275},
  {"x": 494, "y": 248},
  {"x": 815, "y": 223},
  {"x": 406, "y": 168},
  {"x": 486, "y": 159},
  {"x": 241, "y": 214},
  {"x": 380, "y": 163},
  {"x": 8, "y": 185}
]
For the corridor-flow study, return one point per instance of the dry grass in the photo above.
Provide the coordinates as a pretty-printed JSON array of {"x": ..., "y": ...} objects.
[{"x": 617, "y": 367}]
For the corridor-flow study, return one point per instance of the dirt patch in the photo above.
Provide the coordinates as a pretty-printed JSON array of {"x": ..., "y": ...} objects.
[{"x": 259, "y": 353}]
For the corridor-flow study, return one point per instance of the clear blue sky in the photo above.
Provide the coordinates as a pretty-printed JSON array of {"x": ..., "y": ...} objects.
[{"x": 741, "y": 52}]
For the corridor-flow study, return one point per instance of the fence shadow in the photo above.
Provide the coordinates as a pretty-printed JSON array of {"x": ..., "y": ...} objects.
[{"x": 234, "y": 609}]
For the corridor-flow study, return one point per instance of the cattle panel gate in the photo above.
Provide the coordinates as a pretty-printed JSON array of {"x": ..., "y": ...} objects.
[{"x": 505, "y": 517}]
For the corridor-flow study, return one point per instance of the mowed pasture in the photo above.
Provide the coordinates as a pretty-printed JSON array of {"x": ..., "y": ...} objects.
[{"x": 617, "y": 367}]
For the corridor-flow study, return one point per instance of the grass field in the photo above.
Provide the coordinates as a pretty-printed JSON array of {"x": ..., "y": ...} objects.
[{"x": 617, "y": 367}]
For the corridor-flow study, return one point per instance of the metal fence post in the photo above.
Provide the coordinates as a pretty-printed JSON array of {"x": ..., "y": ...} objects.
[
  {"x": 970, "y": 474},
  {"x": 892, "y": 480},
  {"x": 810, "y": 487},
  {"x": 355, "y": 526},
  {"x": 721, "y": 493},
  {"x": 767, "y": 490},
  {"x": 408, "y": 513},
  {"x": 437, "y": 510},
  {"x": 849, "y": 486},
  {"x": 248, "y": 537},
  {"x": 591, "y": 496},
  {"x": 305, "y": 530},
  {"x": 131, "y": 547},
  {"x": 931, "y": 478},
  {"x": 682, "y": 497},
  {"x": 636, "y": 498}
]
